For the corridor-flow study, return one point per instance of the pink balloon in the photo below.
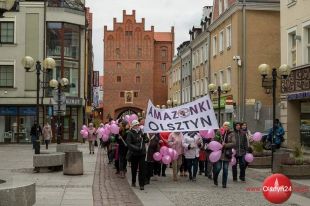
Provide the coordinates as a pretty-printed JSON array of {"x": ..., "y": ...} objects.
[
  {"x": 84, "y": 127},
  {"x": 203, "y": 133},
  {"x": 85, "y": 134},
  {"x": 157, "y": 156},
  {"x": 234, "y": 152},
  {"x": 215, "y": 156},
  {"x": 163, "y": 150},
  {"x": 105, "y": 137},
  {"x": 114, "y": 129},
  {"x": 215, "y": 146},
  {"x": 113, "y": 122},
  {"x": 166, "y": 159},
  {"x": 134, "y": 117},
  {"x": 170, "y": 152},
  {"x": 81, "y": 132},
  {"x": 249, "y": 157},
  {"x": 175, "y": 155},
  {"x": 233, "y": 161},
  {"x": 211, "y": 134},
  {"x": 257, "y": 136},
  {"x": 127, "y": 118}
]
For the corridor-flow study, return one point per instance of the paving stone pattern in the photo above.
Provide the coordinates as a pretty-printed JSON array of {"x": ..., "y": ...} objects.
[{"x": 108, "y": 188}]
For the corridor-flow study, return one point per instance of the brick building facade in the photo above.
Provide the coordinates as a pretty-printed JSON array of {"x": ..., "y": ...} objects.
[{"x": 136, "y": 61}]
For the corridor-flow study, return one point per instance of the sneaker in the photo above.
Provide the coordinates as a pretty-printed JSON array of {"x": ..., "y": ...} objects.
[
  {"x": 242, "y": 179},
  {"x": 235, "y": 179},
  {"x": 224, "y": 186},
  {"x": 210, "y": 177},
  {"x": 117, "y": 172},
  {"x": 194, "y": 179},
  {"x": 141, "y": 188},
  {"x": 154, "y": 178},
  {"x": 215, "y": 182},
  {"x": 133, "y": 184},
  {"x": 163, "y": 175},
  {"x": 200, "y": 173}
]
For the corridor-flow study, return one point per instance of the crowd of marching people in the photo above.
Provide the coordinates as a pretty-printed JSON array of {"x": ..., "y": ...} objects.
[{"x": 187, "y": 153}]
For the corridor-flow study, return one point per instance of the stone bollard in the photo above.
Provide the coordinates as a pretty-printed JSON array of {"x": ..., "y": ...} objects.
[
  {"x": 73, "y": 164},
  {"x": 278, "y": 157}
]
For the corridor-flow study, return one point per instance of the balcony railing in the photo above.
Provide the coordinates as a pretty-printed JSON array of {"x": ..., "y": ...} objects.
[{"x": 70, "y": 4}]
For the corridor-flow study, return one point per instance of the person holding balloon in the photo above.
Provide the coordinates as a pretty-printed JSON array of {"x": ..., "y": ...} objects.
[
  {"x": 163, "y": 143},
  {"x": 175, "y": 142},
  {"x": 192, "y": 143},
  {"x": 91, "y": 138},
  {"x": 122, "y": 147},
  {"x": 152, "y": 160},
  {"x": 241, "y": 148},
  {"x": 227, "y": 141},
  {"x": 136, "y": 145}
]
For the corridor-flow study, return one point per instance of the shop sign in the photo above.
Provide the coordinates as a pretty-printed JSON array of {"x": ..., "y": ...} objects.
[
  {"x": 28, "y": 111},
  {"x": 301, "y": 95},
  {"x": 8, "y": 111},
  {"x": 222, "y": 102},
  {"x": 74, "y": 101}
]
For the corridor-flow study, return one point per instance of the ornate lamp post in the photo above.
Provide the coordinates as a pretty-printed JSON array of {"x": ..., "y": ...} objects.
[
  {"x": 219, "y": 90},
  {"x": 172, "y": 103},
  {"x": 48, "y": 64},
  {"x": 271, "y": 83},
  {"x": 59, "y": 85}
]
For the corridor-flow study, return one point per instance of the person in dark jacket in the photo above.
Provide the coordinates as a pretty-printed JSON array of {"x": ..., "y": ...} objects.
[
  {"x": 153, "y": 147},
  {"x": 208, "y": 164},
  {"x": 35, "y": 133},
  {"x": 122, "y": 147},
  {"x": 241, "y": 148},
  {"x": 136, "y": 145}
]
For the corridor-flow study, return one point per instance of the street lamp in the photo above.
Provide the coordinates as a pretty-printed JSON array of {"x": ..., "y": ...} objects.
[
  {"x": 271, "y": 83},
  {"x": 59, "y": 85},
  {"x": 28, "y": 64},
  {"x": 219, "y": 90},
  {"x": 5, "y": 5},
  {"x": 172, "y": 103}
]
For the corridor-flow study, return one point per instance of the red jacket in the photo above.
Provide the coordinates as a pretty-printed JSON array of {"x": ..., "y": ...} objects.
[{"x": 164, "y": 137}]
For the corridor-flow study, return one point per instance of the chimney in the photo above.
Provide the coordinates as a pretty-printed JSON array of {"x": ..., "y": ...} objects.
[
  {"x": 152, "y": 28},
  {"x": 134, "y": 13}
]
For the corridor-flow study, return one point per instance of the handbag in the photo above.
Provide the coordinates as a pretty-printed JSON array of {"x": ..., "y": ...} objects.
[
  {"x": 129, "y": 155},
  {"x": 227, "y": 152}
]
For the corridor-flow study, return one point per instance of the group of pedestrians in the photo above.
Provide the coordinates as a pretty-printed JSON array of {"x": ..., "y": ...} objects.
[{"x": 134, "y": 146}]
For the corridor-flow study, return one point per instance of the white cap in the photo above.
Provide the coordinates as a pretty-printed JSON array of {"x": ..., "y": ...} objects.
[{"x": 134, "y": 123}]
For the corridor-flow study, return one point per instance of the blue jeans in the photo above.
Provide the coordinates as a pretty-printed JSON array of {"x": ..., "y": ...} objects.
[
  {"x": 241, "y": 161},
  {"x": 192, "y": 163},
  {"x": 217, "y": 169}
]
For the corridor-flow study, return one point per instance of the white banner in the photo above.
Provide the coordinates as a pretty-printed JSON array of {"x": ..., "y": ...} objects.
[{"x": 193, "y": 116}]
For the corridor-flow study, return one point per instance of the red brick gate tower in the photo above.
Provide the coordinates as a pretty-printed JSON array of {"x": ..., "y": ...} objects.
[{"x": 135, "y": 65}]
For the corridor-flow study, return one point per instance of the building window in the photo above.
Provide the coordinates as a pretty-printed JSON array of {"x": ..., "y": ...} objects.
[
  {"x": 7, "y": 32},
  {"x": 135, "y": 94},
  {"x": 207, "y": 52},
  {"x": 198, "y": 58},
  {"x": 163, "y": 79},
  {"x": 138, "y": 66},
  {"x": 292, "y": 48},
  {"x": 194, "y": 89},
  {"x": 220, "y": 6},
  {"x": 214, "y": 46},
  {"x": 215, "y": 79},
  {"x": 228, "y": 37},
  {"x": 221, "y": 42},
  {"x": 118, "y": 52},
  {"x": 229, "y": 75},
  {"x": 128, "y": 33},
  {"x": 163, "y": 54},
  {"x": 308, "y": 45},
  {"x": 122, "y": 94},
  {"x": 138, "y": 79},
  {"x": 139, "y": 52},
  {"x": 118, "y": 78},
  {"x": 221, "y": 77},
  {"x": 163, "y": 67},
  {"x": 119, "y": 65},
  {"x": 225, "y": 4},
  {"x": 6, "y": 76}
]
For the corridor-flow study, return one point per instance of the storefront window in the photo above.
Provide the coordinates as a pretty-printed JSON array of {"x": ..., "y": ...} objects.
[{"x": 305, "y": 124}]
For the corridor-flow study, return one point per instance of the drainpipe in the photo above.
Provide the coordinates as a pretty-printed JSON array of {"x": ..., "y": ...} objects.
[
  {"x": 181, "y": 83},
  {"x": 243, "y": 88}
]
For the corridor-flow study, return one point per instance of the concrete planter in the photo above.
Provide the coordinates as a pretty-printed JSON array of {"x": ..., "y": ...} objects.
[
  {"x": 66, "y": 147},
  {"x": 13, "y": 194},
  {"x": 53, "y": 161},
  {"x": 261, "y": 162},
  {"x": 296, "y": 171}
]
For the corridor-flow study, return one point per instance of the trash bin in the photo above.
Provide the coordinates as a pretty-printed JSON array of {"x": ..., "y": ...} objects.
[
  {"x": 73, "y": 164},
  {"x": 37, "y": 147}
]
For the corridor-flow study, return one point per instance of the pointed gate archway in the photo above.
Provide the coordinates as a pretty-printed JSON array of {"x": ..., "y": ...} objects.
[{"x": 121, "y": 112}]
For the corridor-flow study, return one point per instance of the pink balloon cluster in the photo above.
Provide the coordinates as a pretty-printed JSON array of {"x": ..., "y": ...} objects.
[
  {"x": 114, "y": 129},
  {"x": 216, "y": 151},
  {"x": 207, "y": 134},
  {"x": 130, "y": 118},
  {"x": 257, "y": 136},
  {"x": 166, "y": 155},
  {"x": 84, "y": 133}
]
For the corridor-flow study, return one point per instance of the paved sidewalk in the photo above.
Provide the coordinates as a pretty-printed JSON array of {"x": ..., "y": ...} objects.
[
  {"x": 166, "y": 192},
  {"x": 108, "y": 188},
  {"x": 52, "y": 188}
]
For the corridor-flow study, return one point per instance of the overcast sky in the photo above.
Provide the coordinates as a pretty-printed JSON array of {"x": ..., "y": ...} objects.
[{"x": 182, "y": 14}]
